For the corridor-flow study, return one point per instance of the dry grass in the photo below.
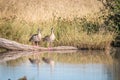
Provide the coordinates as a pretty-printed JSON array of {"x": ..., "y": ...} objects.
[
  {"x": 42, "y": 10},
  {"x": 73, "y": 33},
  {"x": 67, "y": 32}
]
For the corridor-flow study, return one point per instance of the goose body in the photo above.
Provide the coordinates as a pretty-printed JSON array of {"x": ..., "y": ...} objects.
[
  {"x": 48, "y": 60},
  {"x": 36, "y": 38},
  {"x": 50, "y": 38}
]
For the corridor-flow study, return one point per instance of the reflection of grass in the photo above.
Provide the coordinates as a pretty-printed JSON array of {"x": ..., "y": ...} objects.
[
  {"x": 74, "y": 58},
  {"x": 16, "y": 62},
  {"x": 82, "y": 58}
]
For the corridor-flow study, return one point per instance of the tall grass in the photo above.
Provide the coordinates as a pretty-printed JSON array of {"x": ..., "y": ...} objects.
[
  {"x": 76, "y": 32},
  {"x": 73, "y": 26},
  {"x": 42, "y": 10}
]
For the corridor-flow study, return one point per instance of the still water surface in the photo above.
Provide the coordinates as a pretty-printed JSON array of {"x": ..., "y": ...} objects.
[{"x": 68, "y": 66}]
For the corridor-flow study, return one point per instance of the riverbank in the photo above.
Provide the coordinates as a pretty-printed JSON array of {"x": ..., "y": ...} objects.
[
  {"x": 77, "y": 32},
  {"x": 71, "y": 28}
]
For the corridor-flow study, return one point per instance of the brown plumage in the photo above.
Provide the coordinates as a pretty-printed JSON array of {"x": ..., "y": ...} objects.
[
  {"x": 36, "y": 38},
  {"x": 49, "y": 38}
]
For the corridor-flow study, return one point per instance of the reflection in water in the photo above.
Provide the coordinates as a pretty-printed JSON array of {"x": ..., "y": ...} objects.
[
  {"x": 81, "y": 65},
  {"x": 50, "y": 62},
  {"x": 116, "y": 71},
  {"x": 34, "y": 61}
]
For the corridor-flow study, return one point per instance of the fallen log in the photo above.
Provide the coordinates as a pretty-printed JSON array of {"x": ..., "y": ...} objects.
[{"x": 15, "y": 46}]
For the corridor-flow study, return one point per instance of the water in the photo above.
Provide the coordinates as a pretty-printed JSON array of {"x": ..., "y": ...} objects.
[{"x": 80, "y": 65}]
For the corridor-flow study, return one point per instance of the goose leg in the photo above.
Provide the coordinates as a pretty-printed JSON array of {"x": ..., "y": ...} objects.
[
  {"x": 50, "y": 46},
  {"x": 37, "y": 44},
  {"x": 33, "y": 43}
]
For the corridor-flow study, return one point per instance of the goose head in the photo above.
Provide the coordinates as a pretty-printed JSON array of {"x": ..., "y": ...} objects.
[
  {"x": 52, "y": 29},
  {"x": 39, "y": 31}
]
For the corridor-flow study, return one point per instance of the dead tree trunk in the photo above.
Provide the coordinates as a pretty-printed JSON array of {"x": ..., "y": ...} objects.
[{"x": 12, "y": 45}]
